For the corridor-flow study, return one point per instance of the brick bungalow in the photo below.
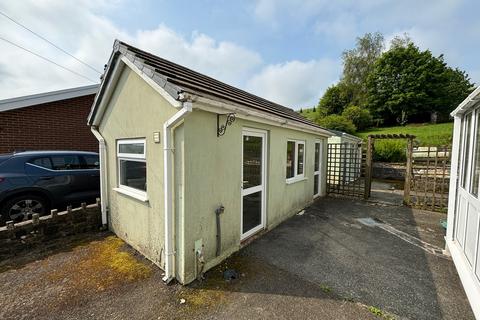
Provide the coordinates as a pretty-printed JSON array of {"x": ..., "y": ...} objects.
[{"x": 48, "y": 121}]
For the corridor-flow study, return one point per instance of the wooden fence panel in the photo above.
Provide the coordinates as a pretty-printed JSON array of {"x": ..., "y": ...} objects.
[
  {"x": 345, "y": 169},
  {"x": 430, "y": 178}
]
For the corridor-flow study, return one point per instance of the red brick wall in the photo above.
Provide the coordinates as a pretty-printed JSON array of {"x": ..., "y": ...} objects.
[{"x": 59, "y": 125}]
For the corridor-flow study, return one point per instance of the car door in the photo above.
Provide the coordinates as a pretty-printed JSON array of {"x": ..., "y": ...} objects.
[
  {"x": 69, "y": 169},
  {"x": 91, "y": 164},
  {"x": 42, "y": 175}
]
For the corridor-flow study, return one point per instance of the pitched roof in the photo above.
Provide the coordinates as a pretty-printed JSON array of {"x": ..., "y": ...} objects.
[
  {"x": 344, "y": 134},
  {"x": 176, "y": 79},
  {"x": 46, "y": 97}
]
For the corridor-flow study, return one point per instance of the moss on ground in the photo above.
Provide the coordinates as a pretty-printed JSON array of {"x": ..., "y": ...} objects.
[{"x": 101, "y": 265}]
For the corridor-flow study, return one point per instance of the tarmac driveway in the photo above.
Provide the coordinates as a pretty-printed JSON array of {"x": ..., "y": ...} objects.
[
  {"x": 392, "y": 261},
  {"x": 323, "y": 264}
]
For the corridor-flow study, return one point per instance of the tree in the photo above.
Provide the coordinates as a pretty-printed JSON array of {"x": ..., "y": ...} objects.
[
  {"x": 407, "y": 84},
  {"x": 336, "y": 122},
  {"x": 335, "y": 99},
  {"x": 401, "y": 41},
  {"x": 456, "y": 88},
  {"x": 360, "y": 117},
  {"x": 358, "y": 63}
]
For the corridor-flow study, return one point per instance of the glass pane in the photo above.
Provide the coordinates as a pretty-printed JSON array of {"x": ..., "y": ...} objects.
[
  {"x": 476, "y": 163},
  {"x": 133, "y": 174},
  {"x": 42, "y": 162},
  {"x": 252, "y": 161},
  {"x": 466, "y": 151},
  {"x": 91, "y": 162},
  {"x": 301, "y": 154},
  {"x": 67, "y": 162},
  {"x": 315, "y": 184},
  {"x": 136, "y": 148},
  {"x": 290, "y": 159},
  {"x": 317, "y": 157},
  {"x": 252, "y": 211}
]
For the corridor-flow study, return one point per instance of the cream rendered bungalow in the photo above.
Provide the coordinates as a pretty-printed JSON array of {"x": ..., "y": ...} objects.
[{"x": 192, "y": 167}]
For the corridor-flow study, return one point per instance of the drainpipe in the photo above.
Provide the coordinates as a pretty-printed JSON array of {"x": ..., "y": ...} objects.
[
  {"x": 103, "y": 173},
  {"x": 168, "y": 189},
  {"x": 218, "y": 212}
]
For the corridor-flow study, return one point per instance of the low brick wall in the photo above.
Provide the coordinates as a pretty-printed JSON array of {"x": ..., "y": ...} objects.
[{"x": 20, "y": 237}]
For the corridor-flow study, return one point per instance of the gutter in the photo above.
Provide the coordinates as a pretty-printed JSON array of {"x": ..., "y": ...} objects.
[
  {"x": 103, "y": 174},
  {"x": 217, "y": 106},
  {"x": 472, "y": 99},
  {"x": 169, "y": 245}
]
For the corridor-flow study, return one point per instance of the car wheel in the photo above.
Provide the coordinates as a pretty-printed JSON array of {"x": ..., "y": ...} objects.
[{"x": 23, "y": 207}]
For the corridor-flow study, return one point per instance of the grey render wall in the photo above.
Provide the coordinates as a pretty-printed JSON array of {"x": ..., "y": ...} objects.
[
  {"x": 213, "y": 176},
  {"x": 136, "y": 110},
  {"x": 207, "y": 173}
]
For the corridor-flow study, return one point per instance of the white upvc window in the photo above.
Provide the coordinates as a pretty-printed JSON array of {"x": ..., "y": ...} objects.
[
  {"x": 475, "y": 183},
  {"x": 132, "y": 168},
  {"x": 295, "y": 169}
]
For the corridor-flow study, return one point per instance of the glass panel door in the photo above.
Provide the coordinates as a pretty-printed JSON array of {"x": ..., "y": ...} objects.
[
  {"x": 253, "y": 182},
  {"x": 316, "y": 169}
]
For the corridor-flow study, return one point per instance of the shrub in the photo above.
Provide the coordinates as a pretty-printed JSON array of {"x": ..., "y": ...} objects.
[
  {"x": 360, "y": 117},
  {"x": 390, "y": 151},
  {"x": 336, "y": 122}
]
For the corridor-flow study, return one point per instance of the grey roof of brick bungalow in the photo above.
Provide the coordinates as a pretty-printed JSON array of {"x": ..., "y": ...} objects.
[{"x": 176, "y": 79}]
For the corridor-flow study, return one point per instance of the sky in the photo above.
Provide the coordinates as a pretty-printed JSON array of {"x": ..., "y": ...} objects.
[{"x": 283, "y": 50}]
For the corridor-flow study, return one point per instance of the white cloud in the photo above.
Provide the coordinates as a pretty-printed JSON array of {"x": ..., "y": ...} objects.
[
  {"x": 443, "y": 26},
  {"x": 89, "y": 36},
  {"x": 341, "y": 27},
  {"x": 295, "y": 83},
  {"x": 225, "y": 61},
  {"x": 83, "y": 30}
]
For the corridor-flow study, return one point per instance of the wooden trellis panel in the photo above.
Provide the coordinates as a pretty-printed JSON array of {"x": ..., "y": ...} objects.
[
  {"x": 430, "y": 178},
  {"x": 345, "y": 169}
]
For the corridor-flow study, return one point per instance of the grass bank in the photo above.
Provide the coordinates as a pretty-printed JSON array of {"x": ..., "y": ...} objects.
[{"x": 394, "y": 150}]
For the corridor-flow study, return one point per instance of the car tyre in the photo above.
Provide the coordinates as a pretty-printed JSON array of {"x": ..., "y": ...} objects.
[{"x": 22, "y": 208}]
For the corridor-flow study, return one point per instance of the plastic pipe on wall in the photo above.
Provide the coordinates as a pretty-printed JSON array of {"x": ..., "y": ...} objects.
[
  {"x": 168, "y": 189},
  {"x": 103, "y": 173}
]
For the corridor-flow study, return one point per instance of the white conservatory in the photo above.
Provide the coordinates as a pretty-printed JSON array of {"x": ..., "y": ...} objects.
[{"x": 463, "y": 231}]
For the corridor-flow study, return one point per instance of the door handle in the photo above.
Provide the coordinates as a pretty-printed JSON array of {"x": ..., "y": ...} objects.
[{"x": 46, "y": 178}]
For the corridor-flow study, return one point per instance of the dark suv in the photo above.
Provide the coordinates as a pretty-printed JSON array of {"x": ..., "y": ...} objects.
[{"x": 36, "y": 181}]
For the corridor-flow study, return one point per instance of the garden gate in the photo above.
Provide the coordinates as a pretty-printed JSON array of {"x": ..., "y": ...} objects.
[{"x": 430, "y": 178}]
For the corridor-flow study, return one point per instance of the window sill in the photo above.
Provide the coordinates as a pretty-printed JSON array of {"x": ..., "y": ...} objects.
[
  {"x": 132, "y": 194},
  {"x": 295, "y": 180}
]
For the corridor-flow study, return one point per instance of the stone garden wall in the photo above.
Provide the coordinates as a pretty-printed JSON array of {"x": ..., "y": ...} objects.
[{"x": 23, "y": 236}]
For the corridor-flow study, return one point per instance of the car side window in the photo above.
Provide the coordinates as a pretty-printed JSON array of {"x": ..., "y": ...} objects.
[
  {"x": 66, "y": 162},
  {"x": 43, "y": 162},
  {"x": 91, "y": 162}
]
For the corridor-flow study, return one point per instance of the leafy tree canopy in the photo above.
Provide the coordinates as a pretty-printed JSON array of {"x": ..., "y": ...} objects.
[
  {"x": 358, "y": 63},
  {"x": 409, "y": 84},
  {"x": 360, "y": 117},
  {"x": 337, "y": 122},
  {"x": 335, "y": 99}
]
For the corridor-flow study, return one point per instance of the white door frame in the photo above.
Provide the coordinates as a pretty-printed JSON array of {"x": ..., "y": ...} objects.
[
  {"x": 319, "y": 171},
  {"x": 262, "y": 187}
]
